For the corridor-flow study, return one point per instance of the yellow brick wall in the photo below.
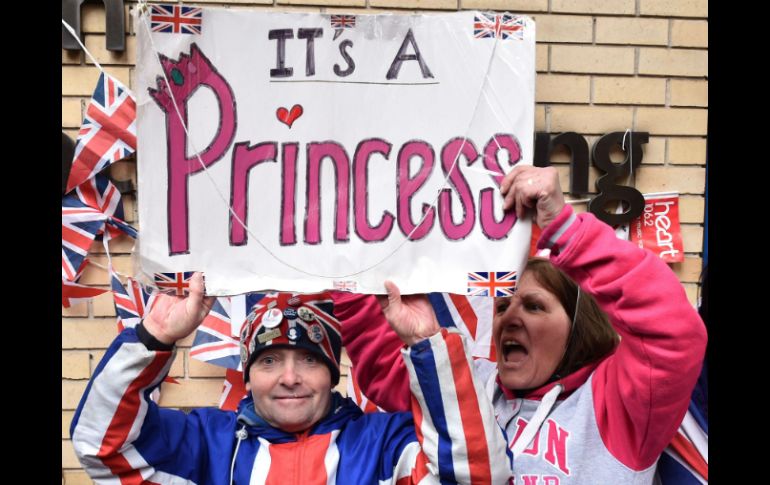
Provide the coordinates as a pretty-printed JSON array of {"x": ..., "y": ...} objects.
[{"x": 602, "y": 65}]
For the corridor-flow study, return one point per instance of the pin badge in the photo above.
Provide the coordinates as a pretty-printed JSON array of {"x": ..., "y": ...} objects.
[
  {"x": 306, "y": 314},
  {"x": 294, "y": 301},
  {"x": 315, "y": 333},
  {"x": 251, "y": 317},
  {"x": 272, "y": 318},
  {"x": 290, "y": 313},
  {"x": 269, "y": 335},
  {"x": 293, "y": 334},
  {"x": 244, "y": 354}
]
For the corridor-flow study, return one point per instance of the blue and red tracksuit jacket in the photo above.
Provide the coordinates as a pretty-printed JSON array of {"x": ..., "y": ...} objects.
[{"x": 119, "y": 432}]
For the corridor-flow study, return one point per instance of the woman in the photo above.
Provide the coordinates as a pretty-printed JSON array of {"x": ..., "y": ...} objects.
[{"x": 577, "y": 405}]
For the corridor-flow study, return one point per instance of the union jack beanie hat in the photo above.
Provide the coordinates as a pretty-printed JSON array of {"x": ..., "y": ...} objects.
[{"x": 292, "y": 320}]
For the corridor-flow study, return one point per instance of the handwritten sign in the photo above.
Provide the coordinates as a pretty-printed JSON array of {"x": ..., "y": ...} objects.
[{"x": 309, "y": 151}]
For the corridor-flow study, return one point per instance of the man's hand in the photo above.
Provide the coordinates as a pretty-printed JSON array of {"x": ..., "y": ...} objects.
[
  {"x": 411, "y": 316},
  {"x": 173, "y": 318}
]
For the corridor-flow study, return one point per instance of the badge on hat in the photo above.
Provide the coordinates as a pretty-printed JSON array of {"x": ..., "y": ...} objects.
[
  {"x": 306, "y": 314},
  {"x": 272, "y": 318},
  {"x": 269, "y": 335},
  {"x": 244, "y": 354},
  {"x": 315, "y": 333},
  {"x": 290, "y": 313},
  {"x": 251, "y": 317},
  {"x": 294, "y": 301},
  {"x": 293, "y": 334}
]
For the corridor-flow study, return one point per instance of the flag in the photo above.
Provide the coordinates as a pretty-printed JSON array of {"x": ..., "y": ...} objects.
[
  {"x": 79, "y": 226},
  {"x": 175, "y": 19},
  {"x": 358, "y": 397},
  {"x": 233, "y": 390},
  {"x": 173, "y": 283},
  {"x": 472, "y": 315},
  {"x": 131, "y": 301},
  {"x": 214, "y": 340},
  {"x": 343, "y": 21},
  {"x": 108, "y": 132},
  {"x": 685, "y": 460},
  {"x": 85, "y": 212},
  {"x": 99, "y": 193},
  {"x": 498, "y": 283},
  {"x": 504, "y": 26},
  {"x": 73, "y": 292}
]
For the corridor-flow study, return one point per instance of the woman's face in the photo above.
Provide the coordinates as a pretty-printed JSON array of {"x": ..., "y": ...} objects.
[{"x": 530, "y": 331}]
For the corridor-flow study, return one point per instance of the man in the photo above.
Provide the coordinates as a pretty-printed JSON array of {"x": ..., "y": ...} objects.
[{"x": 293, "y": 428}]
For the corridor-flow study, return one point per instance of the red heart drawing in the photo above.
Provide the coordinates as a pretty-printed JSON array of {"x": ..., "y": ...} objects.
[{"x": 288, "y": 117}]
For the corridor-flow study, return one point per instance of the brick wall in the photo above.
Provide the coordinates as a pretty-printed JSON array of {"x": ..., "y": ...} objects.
[{"x": 602, "y": 65}]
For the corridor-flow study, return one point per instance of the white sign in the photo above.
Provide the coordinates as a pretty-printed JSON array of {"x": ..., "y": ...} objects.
[{"x": 339, "y": 150}]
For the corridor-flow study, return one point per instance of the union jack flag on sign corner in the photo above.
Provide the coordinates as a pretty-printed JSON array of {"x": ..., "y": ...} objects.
[
  {"x": 176, "y": 19},
  {"x": 173, "y": 283},
  {"x": 108, "y": 132},
  {"x": 504, "y": 26},
  {"x": 343, "y": 21},
  {"x": 491, "y": 283}
]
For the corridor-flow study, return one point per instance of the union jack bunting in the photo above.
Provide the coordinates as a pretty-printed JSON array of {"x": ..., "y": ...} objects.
[
  {"x": 175, "y": 19},
  {"x": 85, "y": 211},
  {"x": 233, "y": 390},
  {"x": 498, "y": 283},
  {"x": 472, "y": 315},
  {"x": 108, "y": 133},
  {"x": 214, "y": 341},
  {"x": 343, "y": 21},
  {"x": 73, "y": 293},
  {"x": 504, "y": 26},
  {"x": 174, "y": 283},
  {"x": 79, "y": 226},
  {"x": 98, "y": 192},
  {"x": 131, "y": 301}
]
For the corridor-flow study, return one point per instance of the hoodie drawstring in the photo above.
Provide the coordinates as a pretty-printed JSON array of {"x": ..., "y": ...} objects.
[
  {"x": 240, "y": 435},
  {"x": 533, "y": 427}
]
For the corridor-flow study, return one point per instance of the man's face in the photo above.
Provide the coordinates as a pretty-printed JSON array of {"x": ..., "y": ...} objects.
[{"x": 291, "y": 388}]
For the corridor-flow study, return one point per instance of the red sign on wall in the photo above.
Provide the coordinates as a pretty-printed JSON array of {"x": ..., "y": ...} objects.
[{"x": 657, "y": 229}]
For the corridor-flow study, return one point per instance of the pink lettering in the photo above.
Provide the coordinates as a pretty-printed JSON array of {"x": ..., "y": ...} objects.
[
  {"x": 450, "y": 157},
  {"x": 181, "y": 167},
  {"x": 531, "y": 479},
  {"x": 492, "y": 228},
  {"x": 551, "y": 480},
  {"x": 244, "y": 159},
  {"x": 316, "y": 152},
  {"x": 520, "y": 425},
  {"x": 557, "y": 446},
  {"x": 408, "y": 186},
  {"x": 361, "y": 158},
  {"x": 289, "y": 198}
]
